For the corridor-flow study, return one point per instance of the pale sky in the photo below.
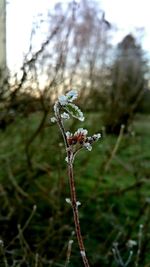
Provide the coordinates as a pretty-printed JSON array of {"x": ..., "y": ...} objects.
[
  {"x": 129, "y": 15},
  {"x": 125, "y": 14}
]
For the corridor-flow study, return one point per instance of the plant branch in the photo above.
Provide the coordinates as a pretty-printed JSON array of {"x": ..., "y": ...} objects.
[
  {"x": 74, "y": 204},
  {"x": 76, "y": 213}
]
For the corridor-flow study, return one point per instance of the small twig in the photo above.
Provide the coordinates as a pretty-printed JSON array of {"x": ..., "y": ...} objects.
[
  {"x": 115, "y": 148},
  {"x": 69, "y": 248},
  {"x": 118, "y": 258},
  {"x": 24, "y": 245},
  {"x": 30, "y": 218},
  {"x": 24, "y": 226},
  {"x": 139, "y": 245}
]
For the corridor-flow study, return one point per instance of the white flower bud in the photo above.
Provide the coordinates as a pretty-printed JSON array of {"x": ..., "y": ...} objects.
[{"x": 53, "y": 119}]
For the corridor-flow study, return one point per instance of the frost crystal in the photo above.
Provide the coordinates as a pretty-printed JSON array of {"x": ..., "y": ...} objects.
[
  {"x": 74, "y": 111},
  {"x": 68, "y": 98},
  {"x": 82, "y": 253},
  {"x": 66, "y": 159},
  {"x": 72, "y": 95},
  {"x": 68, "y": 134},
  {"x": 88, "y": 146},
  {"x": 63, "y": 100},
  {"x": 97, "y": 136},
  {"x": 81, "y": 116},
  {"x": 81, "y": 131},
  {"x": 56, "y": 109},
  {"x": 53, "y": 119},
  {"x": 68, "y": 200},
  {"x": 65, "y": 116},
  {"x": 78, "y": 203}
]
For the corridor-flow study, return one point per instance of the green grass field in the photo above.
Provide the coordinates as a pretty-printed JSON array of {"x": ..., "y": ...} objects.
[{"x": 114, "y": 190}]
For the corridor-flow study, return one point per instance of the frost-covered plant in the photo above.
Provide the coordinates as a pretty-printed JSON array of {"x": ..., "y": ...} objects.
[{"x": 74, "y": 142}]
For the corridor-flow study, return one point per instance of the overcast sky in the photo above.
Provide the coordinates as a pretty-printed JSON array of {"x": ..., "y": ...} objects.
[
  {"x": 129, "y": 15},
  {"x": 125, "y": 14}
]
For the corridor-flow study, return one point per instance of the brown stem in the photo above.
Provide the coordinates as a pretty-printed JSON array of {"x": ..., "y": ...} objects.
[
  {"x": 70, "y": 157},
  {"x": 76, "y": 214}
]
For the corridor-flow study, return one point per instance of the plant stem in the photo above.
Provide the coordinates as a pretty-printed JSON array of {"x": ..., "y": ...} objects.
[
  {"x": 70, "y": 157},
  {"x": 76, "y": 214}
]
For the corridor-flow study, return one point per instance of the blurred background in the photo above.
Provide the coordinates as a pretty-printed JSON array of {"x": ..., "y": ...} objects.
[{"x": 101, "y": 49}]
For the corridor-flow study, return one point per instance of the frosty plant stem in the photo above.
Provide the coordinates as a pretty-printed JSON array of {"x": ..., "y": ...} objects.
[{"x": 63, "y": 108}]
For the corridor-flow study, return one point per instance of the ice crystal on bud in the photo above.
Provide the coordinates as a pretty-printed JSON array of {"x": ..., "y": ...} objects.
[
  {"x": 87, "y": 146},
  {"x": 68, "y": 98},
  {"x": 63, "y": 100},
  {"x": 68, "y": 200},
  {"x": 82, "y": 253},
  {"x": 72, "y": 95},
  {"x": 80, "y": 138},
  {"x": 64, "y": 108},
  {"x": 53, "y": 119},
  {"x": 66, "y": 159},
  {"x": 97, "y": 136},
  {"x": 65, "y": 116},
  {"x": 68, "y": 134},
  {"x": 81, "y": 131},
  {"x": 78, "y": 203}
]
